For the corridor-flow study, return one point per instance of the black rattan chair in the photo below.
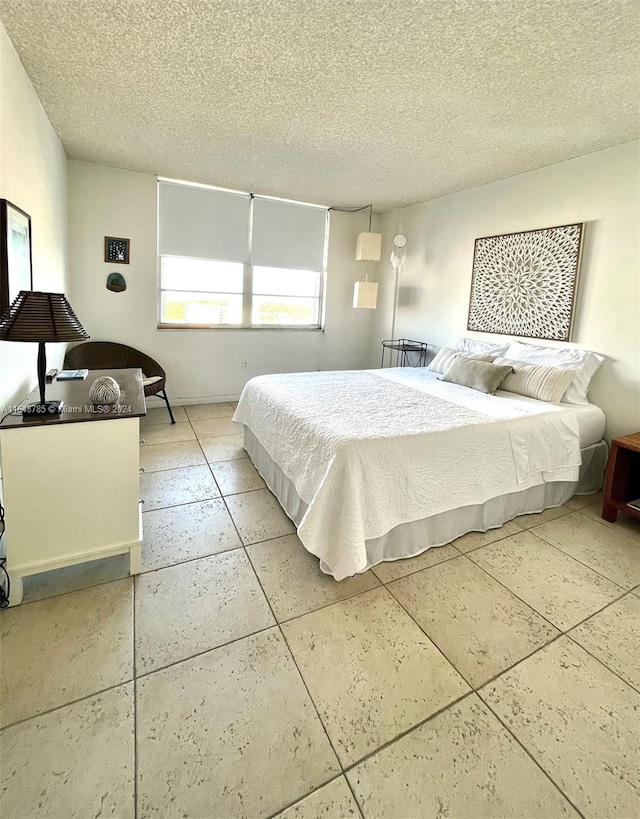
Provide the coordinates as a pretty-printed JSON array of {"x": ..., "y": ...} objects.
[{"x": 107, "y": 355}]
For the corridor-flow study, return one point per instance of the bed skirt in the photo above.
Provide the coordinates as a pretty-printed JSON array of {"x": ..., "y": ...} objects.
[{"x": 410, "y": 539}]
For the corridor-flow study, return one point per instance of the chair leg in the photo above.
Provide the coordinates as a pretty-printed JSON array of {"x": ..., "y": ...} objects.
[{"x": 163, "y": 395}]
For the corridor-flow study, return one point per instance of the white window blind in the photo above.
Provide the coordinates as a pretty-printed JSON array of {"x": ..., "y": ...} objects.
[
  {"x": 203, "y": 223},
  {"x": 228, "y": 259},
  {"x": 288, "y": 235}
]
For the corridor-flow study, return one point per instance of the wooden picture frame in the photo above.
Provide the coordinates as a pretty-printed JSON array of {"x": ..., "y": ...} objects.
[
  {"x": 525, "y": 283},
  {"x": 116, "y": 250},
  {"x": 16, "y": 265}
]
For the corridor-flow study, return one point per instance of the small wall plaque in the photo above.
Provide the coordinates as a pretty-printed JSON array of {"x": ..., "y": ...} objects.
[
  {"x": 116, "y": 282},
  {"x": 116, "y": 250}
]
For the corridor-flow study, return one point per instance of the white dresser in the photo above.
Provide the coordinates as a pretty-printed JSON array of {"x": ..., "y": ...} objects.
[{"x": 71, "y": 485}]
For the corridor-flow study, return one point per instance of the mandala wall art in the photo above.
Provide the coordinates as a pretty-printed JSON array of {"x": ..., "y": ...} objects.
[{"x": 524, "y": 284}]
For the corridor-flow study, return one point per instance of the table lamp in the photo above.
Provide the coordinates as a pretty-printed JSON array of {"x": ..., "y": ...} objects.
[{"x": 41, "y": 317}]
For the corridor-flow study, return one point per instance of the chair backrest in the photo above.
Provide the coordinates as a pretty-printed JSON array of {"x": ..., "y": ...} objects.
[{"x": 108, "y": 355}]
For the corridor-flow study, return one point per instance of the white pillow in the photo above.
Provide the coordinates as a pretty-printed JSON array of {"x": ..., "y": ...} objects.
[
  {"x": 470, "y": 345},
  {"x": 583, "y": 362},
  {"x": 446, "y": 356},
  {"x": 535, "y": 381},
  {"x": 153, "y": 380}
]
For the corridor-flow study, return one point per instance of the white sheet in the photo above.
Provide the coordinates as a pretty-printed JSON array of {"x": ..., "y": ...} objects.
[
  {"x": 591, "y": 420},
  {"x": 368, "y": 451}
]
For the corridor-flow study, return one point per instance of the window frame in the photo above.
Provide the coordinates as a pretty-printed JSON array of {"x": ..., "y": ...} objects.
[{"x": 247, "y": 281}]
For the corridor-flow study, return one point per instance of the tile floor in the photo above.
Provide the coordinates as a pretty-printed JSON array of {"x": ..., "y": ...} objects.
[{"x": 498, "y": 676}]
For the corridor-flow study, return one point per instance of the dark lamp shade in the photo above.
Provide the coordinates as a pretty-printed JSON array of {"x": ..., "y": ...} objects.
[{"x": 41, "y": 317}]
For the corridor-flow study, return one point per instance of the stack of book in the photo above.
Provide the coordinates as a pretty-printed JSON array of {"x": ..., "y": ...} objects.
[{"x": 72, "y": 375}]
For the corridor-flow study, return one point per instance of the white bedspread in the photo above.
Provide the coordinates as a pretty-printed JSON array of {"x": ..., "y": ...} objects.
[{"x": 369, "y": 450}]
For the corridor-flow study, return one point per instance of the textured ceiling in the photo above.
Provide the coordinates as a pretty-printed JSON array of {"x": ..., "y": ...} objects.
[{"x": 337, "y": 102}]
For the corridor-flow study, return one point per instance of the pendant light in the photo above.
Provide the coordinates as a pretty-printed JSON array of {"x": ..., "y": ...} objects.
[
  {"x": 368, "y": 249},
  {"x": 368, "y": 244}
]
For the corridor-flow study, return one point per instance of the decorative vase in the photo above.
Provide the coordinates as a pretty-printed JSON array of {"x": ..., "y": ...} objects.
[{"x": 104, "y": 390}]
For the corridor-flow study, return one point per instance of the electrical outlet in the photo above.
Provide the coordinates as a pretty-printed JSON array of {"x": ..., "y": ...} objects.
[{"x": 245, "y": 365}]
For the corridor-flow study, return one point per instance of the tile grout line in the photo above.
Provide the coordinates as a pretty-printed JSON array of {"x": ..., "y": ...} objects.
[
  {"x": 335, "y": 778},
  {"x": 472, "y": 691},
  {"x": 597, "y": 611},
  {"x": 311, "y": 700},
  {"x": 328, "y": 605},
  {"x": 440, "y": 651},
  {"x": 135, "y": 677},
  {"x": 511, "y": 667},
  {"x": 491, "y": 542},
  {"x": 286, "y": 642},
  {"x": 561, "y": 632},
  {"x": 159, "y": 509},
  {"x": 406, "y": 732},
  {"x": 529, "y": 754},
  {"x": 306, "y": 796},
  {"x": 201, "y": 500},
  {"x": 97, "y": 693},
  {"x": 315, "y": 708},
  {"x": 582, "y": 563},
  {"x": 259, "y": 631},
  {"x": 517, "y": 596},
  {"x": 191, "y": 559},
  {"x": 264, "y": 594},
  {"x": 602, "y": 663},
  {"x": 74, "y": 591},
  {"x": 504, "y": 670},
  {"x": 355, "y": 798},
  {"x": 532, "y": 515},
  {"x": 612, "y": 526},
  {"x": 206, "y": 462},
  {"x": 477, "y": 690},
  {"x": 400, "y": 736},
  {"x": 546, "y": 619},
  {"x": 143, "y": 675},
  {"x": 169, "y": 565},
  {"x": 348, "y": 768},
  {"x": 278, "y": 624},
  {"x": 415, "y": 571}
]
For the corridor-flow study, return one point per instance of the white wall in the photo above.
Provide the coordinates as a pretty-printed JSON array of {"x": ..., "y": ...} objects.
[
  {"x": 200, "y": 364},
  {"x": 33, "y": 175},
  {"x": 601, "y": 189}
]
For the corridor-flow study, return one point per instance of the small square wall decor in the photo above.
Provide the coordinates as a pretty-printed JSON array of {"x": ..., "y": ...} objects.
[
  {"x": 116, "y": 250},
  {"x": 524, "y": 284}
]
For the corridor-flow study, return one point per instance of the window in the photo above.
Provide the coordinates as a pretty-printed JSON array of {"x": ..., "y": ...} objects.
[
  {"x": 235, "y": 260},
  {"x": 200, "y": 291}
]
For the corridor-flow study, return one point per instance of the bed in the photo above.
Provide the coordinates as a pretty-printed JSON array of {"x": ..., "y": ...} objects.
[{"x": 379, "y": 465}]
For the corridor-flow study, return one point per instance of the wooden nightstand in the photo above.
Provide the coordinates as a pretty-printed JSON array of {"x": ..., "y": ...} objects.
[{"x": 623, "y": 478}]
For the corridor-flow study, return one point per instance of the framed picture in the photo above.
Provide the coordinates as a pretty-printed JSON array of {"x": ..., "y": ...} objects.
[
  {"x": 524, "y": 284},
  {"x": 16, "y": 271},
  {"x": 116, "y": 250}
]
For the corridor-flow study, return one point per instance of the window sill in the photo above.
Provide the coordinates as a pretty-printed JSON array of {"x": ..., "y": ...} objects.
[{"x": 278, "y": 328}]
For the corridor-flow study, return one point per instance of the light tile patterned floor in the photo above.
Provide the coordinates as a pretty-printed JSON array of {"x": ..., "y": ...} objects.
[{"x": 498, "y": 676}]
